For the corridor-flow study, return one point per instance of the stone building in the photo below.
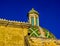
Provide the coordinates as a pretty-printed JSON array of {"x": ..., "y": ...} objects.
[{"x": 14, "y": 33}]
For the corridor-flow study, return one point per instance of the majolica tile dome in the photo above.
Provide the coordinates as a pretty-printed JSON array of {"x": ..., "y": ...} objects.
[{"x": 34, "y": 21}]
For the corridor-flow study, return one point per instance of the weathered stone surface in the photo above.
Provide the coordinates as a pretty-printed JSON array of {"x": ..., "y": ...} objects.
[{"x": 11, "y": 36}]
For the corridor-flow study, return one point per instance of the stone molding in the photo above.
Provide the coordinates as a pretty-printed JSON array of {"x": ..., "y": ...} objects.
[{"x": 4, "y": 22}]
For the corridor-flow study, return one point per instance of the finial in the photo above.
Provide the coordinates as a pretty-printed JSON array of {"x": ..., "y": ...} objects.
[
  {"x": 32, "y": 8},
  {"x": 33, "y": 11}
]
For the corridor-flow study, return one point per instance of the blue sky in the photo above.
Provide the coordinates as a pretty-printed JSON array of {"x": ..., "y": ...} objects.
[{"x": 49, "y": 11}]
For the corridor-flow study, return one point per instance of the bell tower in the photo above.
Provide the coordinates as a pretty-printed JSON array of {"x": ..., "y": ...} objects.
[{"x": 33, "y": 16}]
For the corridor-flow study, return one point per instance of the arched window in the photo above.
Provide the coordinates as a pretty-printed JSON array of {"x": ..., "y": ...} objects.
[
  {"x": 32, "y": 21},
  {"x": 37, "y": 21}
]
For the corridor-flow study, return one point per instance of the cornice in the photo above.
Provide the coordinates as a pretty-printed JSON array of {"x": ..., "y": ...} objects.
[{"x": 4, "y": 22}]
